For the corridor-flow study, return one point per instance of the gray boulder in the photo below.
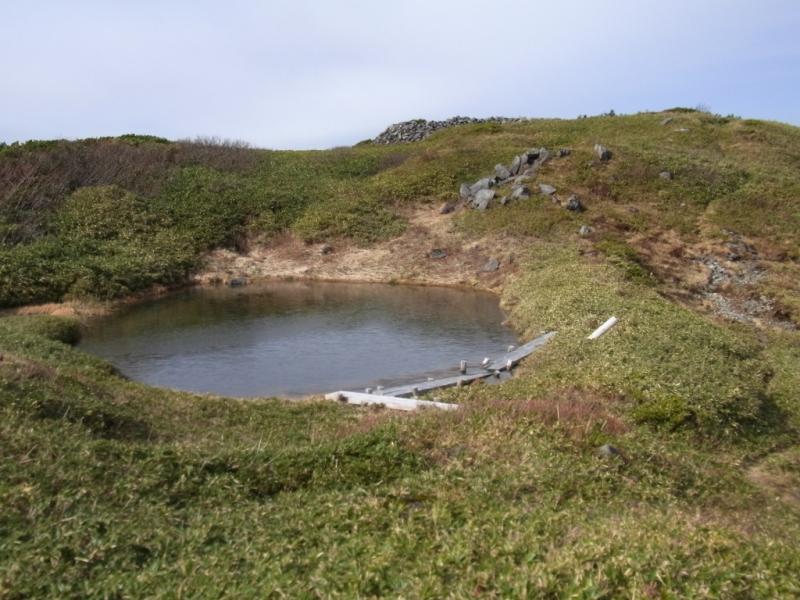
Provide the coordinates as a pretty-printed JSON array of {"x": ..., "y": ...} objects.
[
  {"x": 491, "y": 265},
  {"x": 482, "y": 199},
  {"x": 518, "y": 192},
  {"x": 543, "y": 156},
  {"x": 481, "y": 184},
  {"x": 531, "y": 171},
  {"x": 574, "y": 204},
  {"x": 532, "y": 154},
  {"x": 504, "y": 200},
  {"x": 585, "y": 230},
  {"x": 562, "y": 152},
  {"x": 546, "y": 189},
  {"x": 437, "y": 254},
  {"x": 602, "y": 152},
  {"x": 464, "y": 191},
  {"x": 665, "y": 175},
  {"x": 501, "y": 172},
  {"x": 515, "y": 165}
]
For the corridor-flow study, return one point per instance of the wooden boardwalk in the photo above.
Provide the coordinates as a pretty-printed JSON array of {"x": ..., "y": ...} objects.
[
  {"x": 399, "y": 397},
  {"x": 387, "y": 401}
]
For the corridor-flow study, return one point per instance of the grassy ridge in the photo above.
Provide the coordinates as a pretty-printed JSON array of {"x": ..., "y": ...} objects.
[
  {"x": 728, "y": 174},
  {"x": 111, "y": 488}
]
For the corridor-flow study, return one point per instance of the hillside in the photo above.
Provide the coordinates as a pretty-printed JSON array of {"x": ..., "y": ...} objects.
[{"x": 687, "y": 231}]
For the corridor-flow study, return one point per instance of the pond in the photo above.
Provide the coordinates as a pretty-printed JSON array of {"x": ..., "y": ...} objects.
[{"x": 300, "y": 338}]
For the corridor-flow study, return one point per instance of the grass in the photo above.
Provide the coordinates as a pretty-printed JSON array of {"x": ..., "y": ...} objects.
[{"x": 110, "y": 488}]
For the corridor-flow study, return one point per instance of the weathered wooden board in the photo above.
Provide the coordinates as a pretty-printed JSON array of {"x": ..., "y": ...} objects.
[
  {"x": 388, "y": 401},
  {"x": 398, "y": 397},
  {"x": 499, "y": 364},
  {"x": 428, "y": 386},
  {"x": 518, "y": 354}
]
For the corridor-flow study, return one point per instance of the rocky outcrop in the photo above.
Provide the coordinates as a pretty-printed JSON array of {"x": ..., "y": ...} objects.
[
  {"x": 419, "y": 129},
  {"x": 523, "y": 168}
]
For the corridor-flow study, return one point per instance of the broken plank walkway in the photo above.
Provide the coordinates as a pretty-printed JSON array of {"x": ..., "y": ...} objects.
[{"x": 398, "y": 397}]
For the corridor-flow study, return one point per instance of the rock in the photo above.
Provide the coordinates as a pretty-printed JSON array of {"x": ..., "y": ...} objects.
[
  {"x": 518, "y": 192},
  {"x": 237, "y": 282},
  {"x": 609, "y": 451},
  {"x": 666, "y": 121},
  {"x": 504, "y": 200},
  {"x": 682, "y": 130},
  {"x": 482, "y": 199},
  {"x": 437, "y": 254},
  {"x": 326, "y": 249},
  {"x": 602, "y": 152},
  {"x": 447, "y": 208},
  {"x": 585, "y": 230},
  {"x": 464, "y": 191},
  {"x": 501, "y": 172},
  {"x": 543, "y": 156},
  {"x": 665, "y": 175},
  {"x": 491, "y": 265},
  {"x": 523, "y": 179},
  {"x": 574, "y": 204},
  {"x": 562, "y": 152},
  {"x": 419, "y": 129},
  {"x": 481, "y": 184},
  {"x": 546, "y": 189},
  {"x": 515, "y": 165}
]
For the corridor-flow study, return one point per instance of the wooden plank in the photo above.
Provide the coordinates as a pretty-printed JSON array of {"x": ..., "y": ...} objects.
[
  {"x": 516, "y": 355},
  {"x": 428, "y": 386},
  {"x": 398, "y": 397},
  {"x": 387, "y": 401}
]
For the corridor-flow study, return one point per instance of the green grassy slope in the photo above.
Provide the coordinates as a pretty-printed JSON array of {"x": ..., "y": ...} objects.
[{"x": 111, "y": 488}]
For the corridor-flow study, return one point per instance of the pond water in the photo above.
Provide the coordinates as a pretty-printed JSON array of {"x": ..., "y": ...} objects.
[{"x": 299, "y": 338}]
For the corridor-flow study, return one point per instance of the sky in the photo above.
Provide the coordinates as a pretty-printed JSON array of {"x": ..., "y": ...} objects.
[{"x": 315, "y": 74}]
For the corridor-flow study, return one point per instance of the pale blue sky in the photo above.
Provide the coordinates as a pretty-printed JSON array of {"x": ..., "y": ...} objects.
[{"x": 308, "y": 73}]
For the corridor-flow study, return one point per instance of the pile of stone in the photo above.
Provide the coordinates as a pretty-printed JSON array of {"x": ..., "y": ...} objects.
[
  {"x": 523, "y": 168},
  {"x": 419, "y": 129}
]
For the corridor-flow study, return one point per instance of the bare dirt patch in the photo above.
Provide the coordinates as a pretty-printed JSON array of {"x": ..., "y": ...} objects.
[
  {"x": 723, "y": 277},
  {"x": 409, "y": 258}
]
